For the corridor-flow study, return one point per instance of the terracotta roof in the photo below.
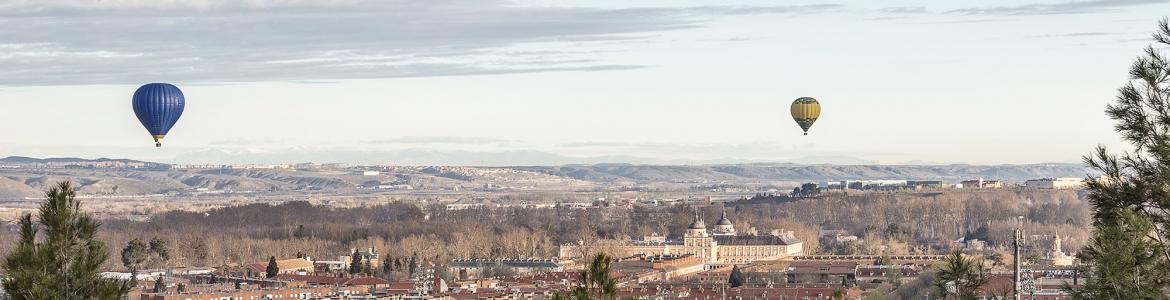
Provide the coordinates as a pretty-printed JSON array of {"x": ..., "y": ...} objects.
[
  {"x": 326, "y": 280},
  {"x": 312, "y": 279},
  {"x": 284, "y": 265},
  {"x": 476, "y": 295},
  {"x": 366, "y": 281},
  {"x": 755, "y": 240},
  {"x": 401, "y": 285}
]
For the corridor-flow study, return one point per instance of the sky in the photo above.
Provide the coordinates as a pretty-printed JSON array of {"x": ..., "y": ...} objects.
[{"x": 388, "y": 82}]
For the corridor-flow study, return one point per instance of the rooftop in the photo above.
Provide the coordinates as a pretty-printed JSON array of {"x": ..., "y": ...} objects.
[{"x": 756, "y": 240}]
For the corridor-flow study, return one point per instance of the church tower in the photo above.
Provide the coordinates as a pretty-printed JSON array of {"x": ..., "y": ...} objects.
[
  {"x": 724, "y": 226},
  {"x": 697, "y": 242},
  {"x": 697, "y": 228}
]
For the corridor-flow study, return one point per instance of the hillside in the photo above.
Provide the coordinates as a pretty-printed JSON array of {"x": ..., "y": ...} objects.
[
  {"x": 792, "y": 172},
  {"x": 30, "y": 160},
  {"x": 32, "y": 176}
]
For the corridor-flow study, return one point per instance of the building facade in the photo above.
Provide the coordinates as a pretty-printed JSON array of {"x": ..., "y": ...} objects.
[
  {"x": 718, "y": 246},
  {"x": 1056, "y": 183},
  {"x": 473, "y": 268},
  {"x": 981, "y": 184}
]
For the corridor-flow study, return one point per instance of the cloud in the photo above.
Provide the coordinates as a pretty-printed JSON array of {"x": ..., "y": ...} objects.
[
  {"x": 1057, "y": 8},
  {"x": 1134, "y": 40},
  {"x": 250, "y": 142},
  {"x": 903, "y": 10},
  {"x": 1074, "y": 34},
  {"x": 57, "y": 42},
  {"x": 594, "y": 144},
  {"x": 454, "y": 140},
  {"x": 759, "y": 151},
  {"x": 899, "y": 13}
]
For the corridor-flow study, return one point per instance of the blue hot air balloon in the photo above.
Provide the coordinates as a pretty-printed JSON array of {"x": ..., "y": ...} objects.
[{"x": 158, "y": 106}]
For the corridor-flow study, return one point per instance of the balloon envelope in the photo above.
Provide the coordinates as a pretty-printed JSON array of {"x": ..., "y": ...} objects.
[
  {"x": 158, "y": 106},
  {"x": 805, "y": 111}
]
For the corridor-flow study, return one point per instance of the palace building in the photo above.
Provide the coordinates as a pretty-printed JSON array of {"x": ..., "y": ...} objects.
[{"x": 718, "y": 246}]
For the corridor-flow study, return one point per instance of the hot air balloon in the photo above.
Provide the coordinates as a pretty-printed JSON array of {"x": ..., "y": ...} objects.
[
  {"x": 805, "y": 111},
  {"x": 158, "y": 106}
]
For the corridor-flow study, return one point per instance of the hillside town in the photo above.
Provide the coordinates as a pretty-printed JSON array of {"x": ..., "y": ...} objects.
[{"x": 694, "y": 259}]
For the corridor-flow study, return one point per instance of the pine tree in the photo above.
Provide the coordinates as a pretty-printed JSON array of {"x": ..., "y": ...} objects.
[
  {"x": 1124, "y": 263},
  {"x": 960, "y": 276},
  {"x": 134, "y": 255},
  {"x": 65, "y": 263},
  {"x": 137, "y": 254},
  {"x": 595, "y": 282},
  {"x": 736, "y": 279},
  {"x": 159, "y": 248},
  {"x": 272, "y": 268},
  {"x": 1129, "y": 253},
  {"x": 838, "y": 294}
]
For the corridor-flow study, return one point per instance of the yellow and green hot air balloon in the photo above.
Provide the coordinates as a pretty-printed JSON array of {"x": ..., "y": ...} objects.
[{"x": 805, "y": 111}]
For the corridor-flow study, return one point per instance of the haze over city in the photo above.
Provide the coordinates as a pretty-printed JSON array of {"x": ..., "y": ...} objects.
[{"x": 672, "y": 82}]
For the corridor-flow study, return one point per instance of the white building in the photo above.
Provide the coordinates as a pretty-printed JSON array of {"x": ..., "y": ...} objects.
[
  {"x": 395, "y": 187},
  {"x": 720, "y": 246},
  {"x": 981, "y": 184},
  {"x": 1056, "y": 183}
]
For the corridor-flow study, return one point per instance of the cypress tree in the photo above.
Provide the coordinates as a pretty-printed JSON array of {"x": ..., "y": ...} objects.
[
  {"x": 355, "y": 263},
  {"x": 272, "y": 268},
  {"x": 736, "y": 279},
  {"x": 160, "y": 286},
  {"x": 413, "y": 264},
  {"x": 386, "y": 266}
]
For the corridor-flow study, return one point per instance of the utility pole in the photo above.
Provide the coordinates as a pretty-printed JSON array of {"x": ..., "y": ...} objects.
[{"x": 1016, "y": 254}]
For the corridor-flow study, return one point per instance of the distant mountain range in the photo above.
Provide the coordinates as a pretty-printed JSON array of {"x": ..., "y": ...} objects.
[
  {"x": 798, "y": 172},
  {"x": 22, "y": 177},
  {"x": 427, "y": 156},
  {"x": 31, "y": 160}
]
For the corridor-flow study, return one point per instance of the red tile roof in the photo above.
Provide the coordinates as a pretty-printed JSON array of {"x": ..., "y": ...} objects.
[{"x": 326, "y": 280}]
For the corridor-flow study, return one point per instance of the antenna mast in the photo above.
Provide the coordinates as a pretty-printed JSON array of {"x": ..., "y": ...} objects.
[{"x": 1016, "y": 268}]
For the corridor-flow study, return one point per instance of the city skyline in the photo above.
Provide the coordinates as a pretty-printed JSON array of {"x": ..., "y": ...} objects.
[{"x": 676, "y": 82}]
